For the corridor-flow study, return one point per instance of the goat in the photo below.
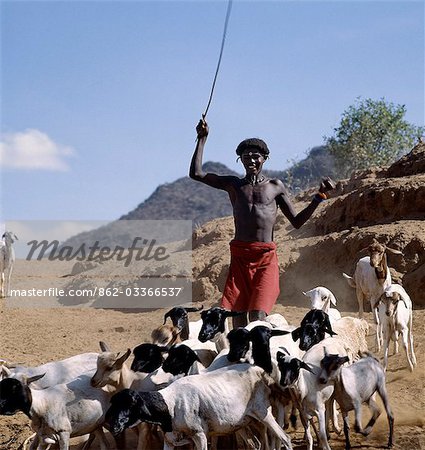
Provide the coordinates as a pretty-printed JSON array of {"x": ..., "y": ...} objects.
[
  {"x": 180, "y": 330},
  {"x": 7, "y": 260},
  {"x": 59, "y": 412},
  {"x": 182, "y": 360},
  {"x": 147, "y": 357},
  {"x": 188, "y": 410},
  {"x": 215, "y": 327},
  {"x": 322, "y": 298},
  {"x": 239, "y": 348},
  {"x": 55, "y": 372},
  {"x": 264, "y": 355},
  {"x": 311, "y": 397},
  {"x": 395, "y": 315},
  {"x": 354, "y": 385},
  {"x": 312, "y": 329},
  {"x": 371, "y": 278}
]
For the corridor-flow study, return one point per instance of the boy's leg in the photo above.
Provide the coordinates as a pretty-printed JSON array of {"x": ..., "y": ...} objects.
[
  {"x": 257, "y": 315},
  {"x": 240, "y": 321}
]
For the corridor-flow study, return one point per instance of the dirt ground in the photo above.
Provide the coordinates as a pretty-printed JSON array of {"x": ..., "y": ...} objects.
[{"x": 34, "y": 336}]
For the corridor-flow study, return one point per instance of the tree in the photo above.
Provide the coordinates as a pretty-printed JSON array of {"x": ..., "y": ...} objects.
[{"x": 371, "y": 133}]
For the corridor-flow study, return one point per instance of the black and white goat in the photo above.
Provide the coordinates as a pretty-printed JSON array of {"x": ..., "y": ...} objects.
[
  {"x": 313, "y": 328},
  {"x": 188, "y": 410},
  {"x": 59, "y": 412}
]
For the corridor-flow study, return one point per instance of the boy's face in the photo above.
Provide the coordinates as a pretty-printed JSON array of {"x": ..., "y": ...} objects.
[{"x": 253, "y": 161}]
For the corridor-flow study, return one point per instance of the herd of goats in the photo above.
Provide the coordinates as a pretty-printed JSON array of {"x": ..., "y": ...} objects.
[{"x": 197, "y": 383}]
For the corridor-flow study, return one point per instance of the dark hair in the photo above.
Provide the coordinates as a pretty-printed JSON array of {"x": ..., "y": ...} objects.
[{"x": 259, "y": 144}]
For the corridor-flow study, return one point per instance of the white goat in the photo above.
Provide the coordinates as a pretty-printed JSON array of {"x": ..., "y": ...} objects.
[
  {"x": 55, "y": 372},
  {"x": 7, "y": 259},
  {"x": 188, "y": 410},
  {"x": 371, "y": 278},
  {"x": 354, "y": 385},
  {"x": 322, "y": 298},
  {"x": 59, "y": 412},
  {"x": 395, "y": 314}
]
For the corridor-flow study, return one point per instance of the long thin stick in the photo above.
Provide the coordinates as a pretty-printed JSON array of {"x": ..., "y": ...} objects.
[{"x": 229, "y": 8}]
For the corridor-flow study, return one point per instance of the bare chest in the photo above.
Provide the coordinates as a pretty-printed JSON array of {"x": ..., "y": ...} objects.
[{"x": 259, "y": 194}]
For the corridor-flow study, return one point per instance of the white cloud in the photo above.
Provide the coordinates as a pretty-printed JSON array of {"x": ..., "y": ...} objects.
[{"x": 33, "y": 150}]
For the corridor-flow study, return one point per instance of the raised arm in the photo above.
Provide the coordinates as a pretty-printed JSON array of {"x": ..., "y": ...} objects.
[
  {"x": 195, "y": 171},
  {"x": 299, "y": 219}
]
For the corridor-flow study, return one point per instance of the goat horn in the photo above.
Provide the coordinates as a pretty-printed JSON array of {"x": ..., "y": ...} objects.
[
  {"x": 392, "y": 250},
  {"x": 306, "y": 367},
  {"x": 195, "y": 308}
]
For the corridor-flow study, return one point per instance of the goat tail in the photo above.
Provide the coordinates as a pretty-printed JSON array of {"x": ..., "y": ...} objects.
[{"x": 350, "y": 280}]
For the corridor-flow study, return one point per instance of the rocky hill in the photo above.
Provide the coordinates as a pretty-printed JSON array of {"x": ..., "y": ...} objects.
[
  {"x": 186, "y": 199},
  {"x": 387, "y": 203}
]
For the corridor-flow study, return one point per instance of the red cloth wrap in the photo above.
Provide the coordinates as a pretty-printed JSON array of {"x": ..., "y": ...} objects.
[{"x": 253, "y": 279}]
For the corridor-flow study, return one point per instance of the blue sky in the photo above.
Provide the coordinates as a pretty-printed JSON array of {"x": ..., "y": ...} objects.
[{"x": 100, "y": 99}]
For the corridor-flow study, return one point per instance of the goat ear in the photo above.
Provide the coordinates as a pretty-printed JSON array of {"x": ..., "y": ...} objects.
[
  {"x": 305, "y": 293},
  {"x": 328, "y": 327},
  {"x": 305, "y": 366},
  {"x": 330, "y": 331},
  {"x": 195, "y": 309},
  {"x": 120, "y": 361},
  {"x": 296, "y": 334},
  {"x": 332, "y": 298},
  {"x": 278, "y": 333},
  {"x": 344, "y": 359},
  {"x": 401, "y": 299},
  {"x": 166, "y": 315},
  {"x": 34, "y": 378},
  {"x": 7, "y": 372},
  {"x": 104, "y": 347},
  {"x": 378, "y": 301}
]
